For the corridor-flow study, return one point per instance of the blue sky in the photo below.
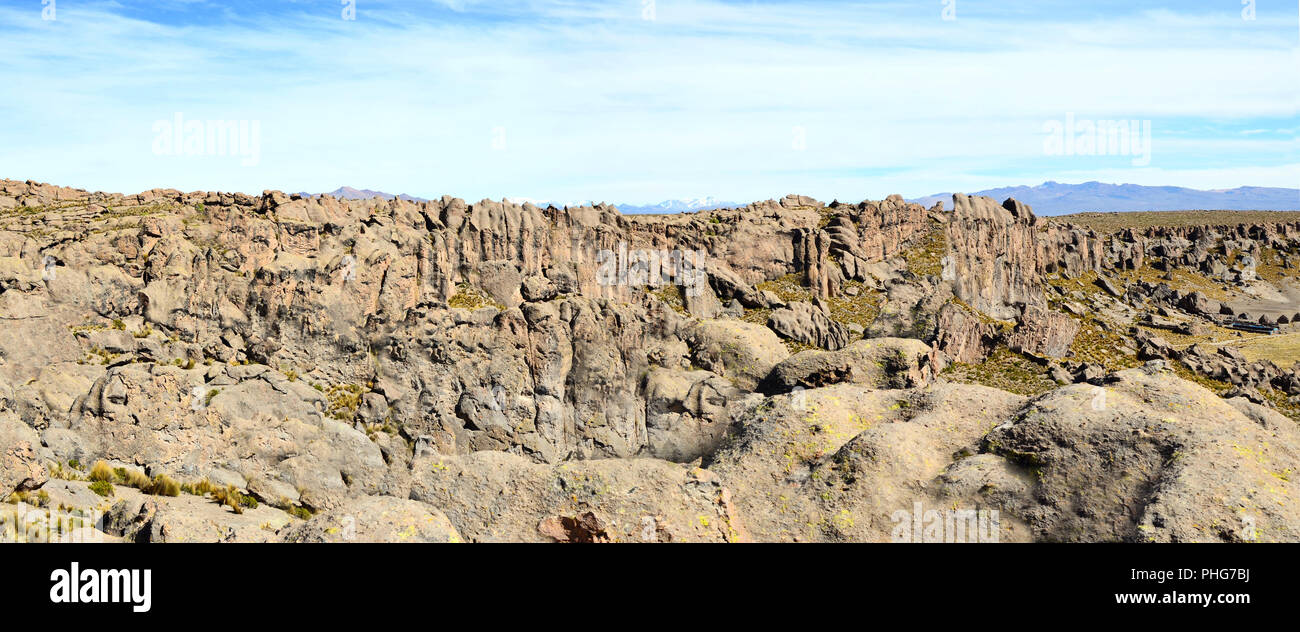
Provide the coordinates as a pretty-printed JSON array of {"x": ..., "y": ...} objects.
[{"x": 630, "y": 101}]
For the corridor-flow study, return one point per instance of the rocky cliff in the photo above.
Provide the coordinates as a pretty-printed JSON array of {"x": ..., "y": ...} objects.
[{"x": 508, "y": 372}]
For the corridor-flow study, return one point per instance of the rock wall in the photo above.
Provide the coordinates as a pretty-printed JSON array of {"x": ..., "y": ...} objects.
[
  {"x": 461, "y": 327},
  {"x": 485, "y": 371}
]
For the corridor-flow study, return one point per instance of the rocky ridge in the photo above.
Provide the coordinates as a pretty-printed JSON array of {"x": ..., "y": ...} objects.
[{"x": 790, "y": 370}]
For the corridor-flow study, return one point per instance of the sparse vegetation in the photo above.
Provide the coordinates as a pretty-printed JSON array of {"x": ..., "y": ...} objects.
[
  {"x": 470, "y": 297},
  {"x": 757, "y": 316},
  {"x": 230, "y": 496},
  {"x": 162, "y": 485},
  {"x": 862, "y": 308},
  {"x": 1112, "y": 222},
  {"x": 100, "y": 472},
  {"x": 40, "y": 498},
  {"x": 672, "y": 295},
  {"x": 136, "y": 479},
  {"x": 201, "y": 488},
  {"x": 789, "y": 288},
  {"x": 344, "y": 400},
  {"x": 1182, "y": 278},
  {"x": 1283, "y": 349},
  {"x": 1006, "y": 370},
  {"x": 925, "y": 257},
  {"x": 1272, "y": 266},
  {"x": 1098, "y": 343}
]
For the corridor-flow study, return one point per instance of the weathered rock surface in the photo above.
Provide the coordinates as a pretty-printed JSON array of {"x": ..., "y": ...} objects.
[
  {"x": 491, "y": 496},
  {"x": 1043, "y": 333},
  {"x": 1150, "y": 457},
  {"x": 442, "y": 370},
  {"x": 21, "y": 468},
  {"x": 376, "y": 519},
  {"x": 835, "y": 464},
  {"x": 885, "y": 363},
  {"x": 809, "y": 324},
  {"x": 137, "y": 517},
  {"x": 964, "y": 336}
]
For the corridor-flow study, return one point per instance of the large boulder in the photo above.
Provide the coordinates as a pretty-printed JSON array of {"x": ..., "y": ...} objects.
[
  {"x": 839, "y": 463},
  {"x": 688, "y": 412},
  {"x": 964, "y": 335},
  {"x": 875, "y": 362},
  {"x": 501, "y": 281},
  {"x": 496, "y": 497},
  {"x": 1043, "y": 333},
  {"x": 21, "y": 468},
  {"x": 739, "y": 351},
  {"x": 192, "y": 424},
  {"x": 1200, "y": 304},
  {"x": 1151, "y": 457},
  {"x": 810, "y": 324},
  {"x": 381, "y": 519},
  {"x": 136, "y": 517}
]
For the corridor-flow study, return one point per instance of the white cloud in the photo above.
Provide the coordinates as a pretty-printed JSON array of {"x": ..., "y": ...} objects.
[{"x": 599, "y": 104}]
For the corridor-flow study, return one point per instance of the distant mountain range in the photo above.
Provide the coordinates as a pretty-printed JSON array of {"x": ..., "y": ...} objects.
[
  {"x": 667, "y": 206},
  {"x": 1049, "y": 198},
  {"x": 349, "y": 193},
  {"x": 539, "y": 203},
  {"x": 678, "y": 206},
  {"x": 1055, "y": 198},
  {"x": 662, "y": 208}
]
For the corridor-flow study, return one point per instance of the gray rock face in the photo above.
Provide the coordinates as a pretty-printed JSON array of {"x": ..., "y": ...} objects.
[
  {"x": 809, "y": 324},
  {"x": 742, "y": 352},
  {"x": 376, "y": 519},
  {"x": 886, "y": 363},
  {"x": 964, "y": 336},
  {"x": 21, "y": 468},
  {"x": 1043, "y": 333},
  {"x": 688, "y": 412},
  {"x": 136, "y": 517},
  {"x": 996, "y": 261},
  {"x": 1198, "y": 303},
  {"x": 1144, "y": 459}
]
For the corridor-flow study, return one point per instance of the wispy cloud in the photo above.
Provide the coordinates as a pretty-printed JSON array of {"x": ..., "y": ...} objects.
[{"x": 589, "y": 100}]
